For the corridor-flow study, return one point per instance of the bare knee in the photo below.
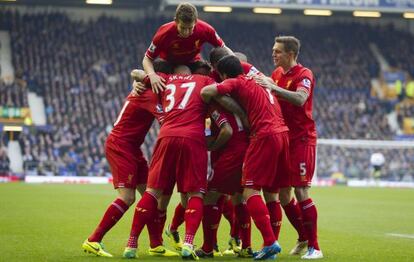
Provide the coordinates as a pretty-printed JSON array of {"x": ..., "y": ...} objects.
[
  {"x": 302, "y": 193},
  {"x": 285, "y": 196},
  {"x": 127, "y": 195},
  {"x": 163, "y": 202},
  {"x": 270, "y": 196}
]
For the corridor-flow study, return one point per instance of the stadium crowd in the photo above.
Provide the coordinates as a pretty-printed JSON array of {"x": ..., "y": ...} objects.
[{"x": 81, "y": 70}]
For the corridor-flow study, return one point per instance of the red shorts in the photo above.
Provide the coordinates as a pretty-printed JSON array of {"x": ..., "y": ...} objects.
[
  {"x": 128, "y": 166},
  {"x": 302, "y": 164},
  {"x": 178, "y": 159},
  {"x": 227, "y": 170},
  {"x": 265, "y": 158}
]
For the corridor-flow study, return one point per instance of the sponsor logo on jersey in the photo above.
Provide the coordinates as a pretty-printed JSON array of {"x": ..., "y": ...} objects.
[{"x": 288, "y": 83}]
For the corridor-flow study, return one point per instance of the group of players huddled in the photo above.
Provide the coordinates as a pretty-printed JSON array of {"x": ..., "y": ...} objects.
[{"x": 257, "y": 132}]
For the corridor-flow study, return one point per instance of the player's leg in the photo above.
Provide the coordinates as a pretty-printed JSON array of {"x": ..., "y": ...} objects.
[
  {"x": 145, "y": 211},
  {"x": 126, "y": 175},
  {"x": 177, "y": 220},
  {"x": 211, "y": 219},
  {"x": 260, "y": 215},
  {"x": 243, "y": 219},
  {"x": 294, "y": 215},
  {"x": 275, "y": 211},
  {"x": 155, "y": 228},
  {"x": 310, "y": 218},
  {"x": 191, "y": 170},
  {"x": 260, "y": 170},
  {"x": 193, "y": 216},
  {"x": 126, "y": 197},
  {"x": 305, "y": 156}
]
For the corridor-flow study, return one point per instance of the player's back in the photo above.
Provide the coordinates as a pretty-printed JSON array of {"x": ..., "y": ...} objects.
[
  {"x": 136, "y": 117},
  {"x": 262, "y": 107},
  {"x": 184, "y": 110}
]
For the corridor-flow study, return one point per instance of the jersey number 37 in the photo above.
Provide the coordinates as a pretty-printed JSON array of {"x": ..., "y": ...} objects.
[{"x": 171, "y": 98}]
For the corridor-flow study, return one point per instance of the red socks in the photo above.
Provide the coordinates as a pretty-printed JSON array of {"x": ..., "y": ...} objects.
[
  {"x": 193, "y": 216},
  {"x": 178, "y": 217},
  {"x": 310, "y": 217},
  {"x": 114, "y": 212},
  {"x": 155, "y": 228},
  {"x": 211, "y": 220},
  {"x": 228, "y": 213},
  {"x": 294, "y": 214},
  {"x": 275, "y": 212},
  {"x": 145, "y": 211},
  {"x": 243, "y": 219},
  {"x": 258, "y": 211}
]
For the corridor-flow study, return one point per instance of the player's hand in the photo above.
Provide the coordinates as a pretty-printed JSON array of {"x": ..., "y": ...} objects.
[
  {"x": 264, "y": 81},
  {"x": 157, "y": 83},
  {"x": 137, "y": 88}
]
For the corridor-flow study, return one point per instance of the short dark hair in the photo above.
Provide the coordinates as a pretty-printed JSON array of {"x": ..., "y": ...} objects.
[
  {"x": 199, "y": 66},
  {"x": 290, "y": 44},
  {"x": 217, "y": 53},
  {"x": 162, "y": 66},
  {"x": 186, "y": 13},
  {"x": 230, "y": 65}
]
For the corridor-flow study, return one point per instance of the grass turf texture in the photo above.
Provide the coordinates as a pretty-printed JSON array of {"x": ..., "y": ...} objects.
[{"x": 49, "y": 223}]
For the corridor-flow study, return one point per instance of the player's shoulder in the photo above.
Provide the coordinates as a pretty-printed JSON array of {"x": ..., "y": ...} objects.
[
  {"x": 246, "y": 66},
  {"x": 203, "y": 24},
  {"x": 304, "y": 72},
  {"x": 164, "y": 29},
  {"x": 203, "y": 78}
]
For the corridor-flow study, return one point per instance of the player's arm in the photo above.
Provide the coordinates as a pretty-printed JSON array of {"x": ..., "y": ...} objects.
[
  {"x": 210, "y": 92},
  {"x": 225, "y": 130},
  {"x": 223, "y": 137},
  {"x": 138, "y": 77},
  {"x": 157, "y": 82},
  {"x": 297, "y": 98}
]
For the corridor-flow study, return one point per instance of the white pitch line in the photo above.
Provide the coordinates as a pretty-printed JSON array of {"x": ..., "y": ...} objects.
[{"x": 400, "y": 235}]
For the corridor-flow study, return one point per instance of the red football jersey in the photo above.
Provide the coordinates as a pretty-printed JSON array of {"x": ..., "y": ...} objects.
[
  {"x": 184, "y": 110},
  {"x": 262, "y": 107},
  {"x": 298, "y": 118},
  {"x": 220, "y": 116},
  {"x": 136, "y": 117},
  {"x": 248, "y": 69},
  {"x": 168, "y": 45}
]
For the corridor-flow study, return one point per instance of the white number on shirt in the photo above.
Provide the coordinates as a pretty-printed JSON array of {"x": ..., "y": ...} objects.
[
  {"x": 271, "y": 97},
  {"x": 121, "y": 113},
  {"x": 170, "y": 97},
  {"x": 190, "y": 87}
]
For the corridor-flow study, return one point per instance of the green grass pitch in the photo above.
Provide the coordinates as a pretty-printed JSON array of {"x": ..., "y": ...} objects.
[{"x": 49, "y": 223}]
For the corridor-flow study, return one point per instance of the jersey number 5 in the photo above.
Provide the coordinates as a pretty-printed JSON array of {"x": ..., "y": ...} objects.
[{"x": 171, "y": 99}]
